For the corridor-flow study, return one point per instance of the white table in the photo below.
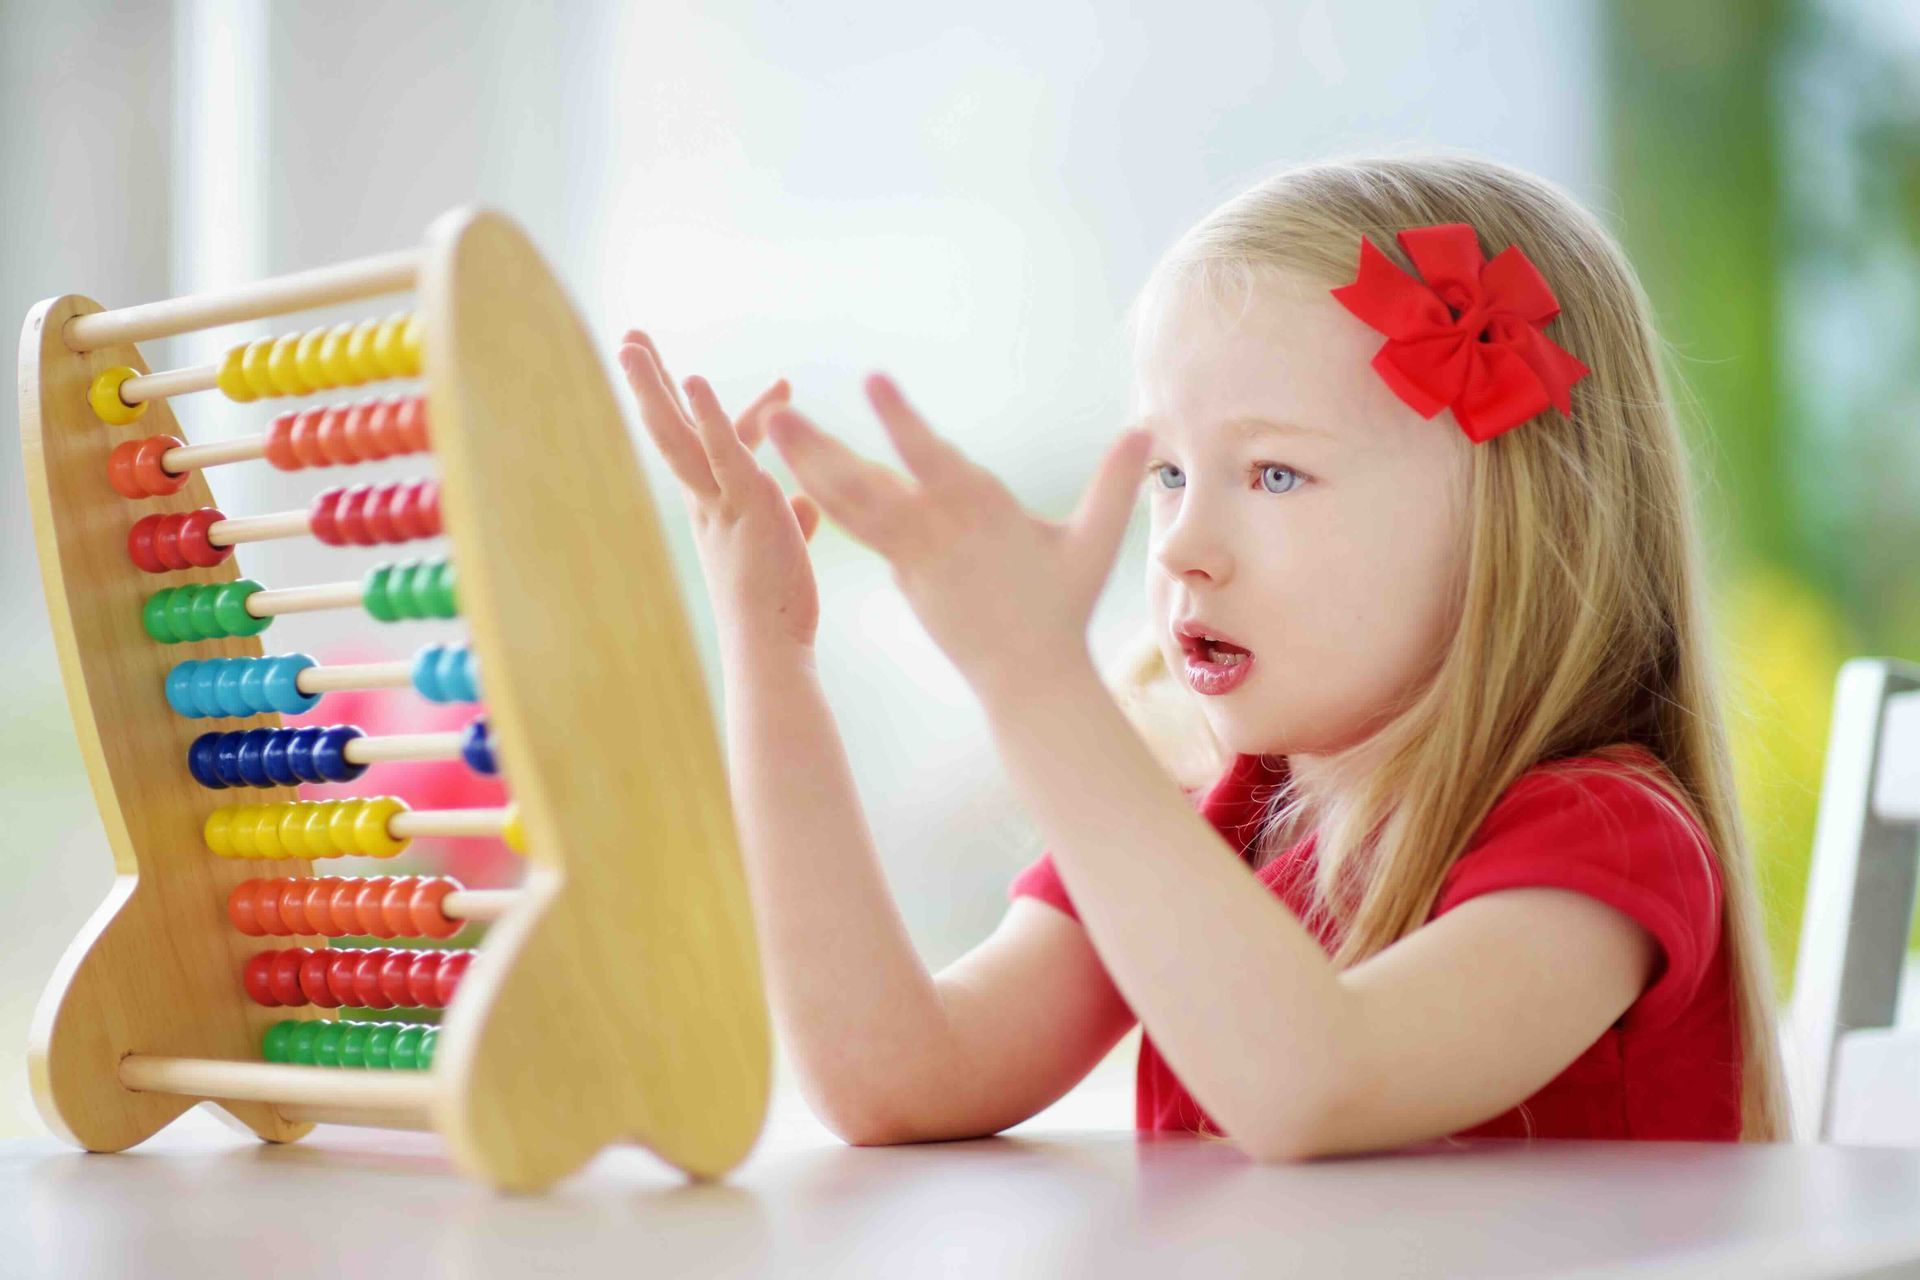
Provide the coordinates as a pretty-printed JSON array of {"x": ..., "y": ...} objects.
[{"x": 200, "y": 1200}]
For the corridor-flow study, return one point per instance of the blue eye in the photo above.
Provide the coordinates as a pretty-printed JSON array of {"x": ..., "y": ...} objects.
[
  {"x": 1160, "y": 468},
  {"x": 1268, "y": 470}
]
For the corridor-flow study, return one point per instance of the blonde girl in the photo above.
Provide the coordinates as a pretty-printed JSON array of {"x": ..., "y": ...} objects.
[{"x": 1423, "y": 562}]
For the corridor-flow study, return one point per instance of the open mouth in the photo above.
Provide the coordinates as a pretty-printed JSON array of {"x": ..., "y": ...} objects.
[{"x": 1219, "y": 653}]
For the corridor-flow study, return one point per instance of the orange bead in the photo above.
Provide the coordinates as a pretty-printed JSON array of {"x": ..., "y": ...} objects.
[
  {"x": 293, "y": 906},
  {"x": 240, "y": 909},
  {"x": 368, "y": 916},
  {"x": 341, "y": 909},
  {"x": 319, "y": 907},
  {"x": 430, "y": 919},
  {"x": 395, "y": 918}
]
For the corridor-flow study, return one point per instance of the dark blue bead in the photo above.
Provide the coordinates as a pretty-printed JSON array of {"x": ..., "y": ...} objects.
[
  {"x": 201, "y": 760},
  {"x": 226, "y": 760},
  {"x": 274, "y": 759},
  {"x": 329, "y": 754},
  {"x": 476, "y": 747},
  {"x": 300, "y": 745},
  {"x": 253, "y": 770}
]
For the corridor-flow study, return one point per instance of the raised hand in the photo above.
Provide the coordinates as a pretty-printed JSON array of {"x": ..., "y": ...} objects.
[{"x": 752, "y": 540}]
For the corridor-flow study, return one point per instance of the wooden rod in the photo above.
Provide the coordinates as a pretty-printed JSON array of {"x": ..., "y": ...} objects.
[
  {"x": 219, "y": 453},
  {"x": 327, "y": 595},
  {"x": 281, "y": 524},
  {"x": 142, "y": 387},
  {"x": 301, "y": 291},
  {"x": 278, "y": 1082},
  {"x": 402, "y": 746},
  {"x": 447, "y": 822},
  {"x": 301, "y": 1113},
  {"x": 479, "y": 904},
  {"x": 363, "y": 675}
]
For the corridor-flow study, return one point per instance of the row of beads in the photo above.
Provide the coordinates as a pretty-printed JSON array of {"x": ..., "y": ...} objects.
[
  {"x": 134, "y": 470},
  {"x": 298, "y": 364},
  {"x": 365, "y": 978},
  {"x": 202, "y": 611},
  {"x": 447, "y": 673},
  {"x": 306, "y": 829},
  {"x": 411, "y": 589},
  {"x": 402, "y": 1046},
  {"x": 343, "y": 906},
  {"x": 274, "y": 757},
  {"x": 200, "y": 688},
  {"x": 163, "y": 543},
  {"x": 344, "y": 434},
  {"x": 365, "y": 515}
]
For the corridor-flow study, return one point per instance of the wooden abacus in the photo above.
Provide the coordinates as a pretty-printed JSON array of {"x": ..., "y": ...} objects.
[{"x": 617, "y": 994}]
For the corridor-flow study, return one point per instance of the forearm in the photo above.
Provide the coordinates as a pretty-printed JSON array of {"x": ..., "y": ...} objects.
[
  {"x": 1237, "y": 995},
  {"x": 862, "y": 1018}
]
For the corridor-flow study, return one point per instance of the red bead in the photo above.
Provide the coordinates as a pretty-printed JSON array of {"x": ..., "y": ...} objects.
[
  {"x": 429, "y": 920},
  {"x": 257, "y": 978},
  {"x": 323, "y": 517},
  {"x": 293, "y": 907},
  {"x": 366, "y": 906},
  {"x": 353, "y": 515},
  {"x": 423, "y": 979},
  {"x": 378, "y": 522},
  {"x": 366, "y": 979},
  {"x": 280, "y": 442},
  {"x": 393, "y": 978},
  {"x": 196, "y": 548},
  {"x": 285, "y": 975},
  {"x": 448, "y": 980},
  {"x": 240, "y": 909},
  {"x": 327, "y": 977},
  {"x": 140, "y": 544}
]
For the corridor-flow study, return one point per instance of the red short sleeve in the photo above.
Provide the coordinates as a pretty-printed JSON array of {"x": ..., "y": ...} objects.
[
  {"x": 1040, "y": 880},
  {"x": 1614, "y": 838}
]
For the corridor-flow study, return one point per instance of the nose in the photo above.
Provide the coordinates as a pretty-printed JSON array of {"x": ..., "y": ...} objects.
[{"x": 1192, "y": 548}]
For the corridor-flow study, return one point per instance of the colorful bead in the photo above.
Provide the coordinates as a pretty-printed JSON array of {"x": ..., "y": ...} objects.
[
  {"x": 202, "y": 611},
  {"x": 411, "y": 589},
  {"x": 446, "y": 673},
  {"x": 366, "y": 515},
  {"x": 253, "y": 368},
  {"x": 513, "y": 832},
  {"x": 232, "y": 378},
  {"x": 343, "y": 906},
  {"x": 306, "y": 358},
  {"x": 476, "y": 747},
  {"x": 413, "y": 343},
  {"x": 206, "y": 687},
  {"x": 298, "y": 364},
  {"x": 360, "y": 358},
  {"x": 333, "y": 355},
  {"x": 274, "y": 757},
  {"x": 168, "y": 541},
  {"x": 104, "y": 396},
  {"x": 284, "y": 369},
  {"x": 134, "y": 470},
  {"x": 305, "y": 828},
  {"x": 389, "y": 350}
]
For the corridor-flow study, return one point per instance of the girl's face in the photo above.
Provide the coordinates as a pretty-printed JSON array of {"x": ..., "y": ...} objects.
[{"x": 1326, "y": 545}]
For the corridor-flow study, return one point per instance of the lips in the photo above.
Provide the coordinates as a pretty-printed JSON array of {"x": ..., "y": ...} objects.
[{"x": 1196, "y": 635}]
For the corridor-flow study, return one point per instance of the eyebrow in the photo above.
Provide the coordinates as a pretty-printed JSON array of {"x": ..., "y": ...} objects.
[{"x": 1248, "y": 426}]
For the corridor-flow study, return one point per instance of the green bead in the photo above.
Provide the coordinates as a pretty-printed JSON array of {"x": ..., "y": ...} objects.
[
  {"x": 230, "y": 609},
  {"x": 380, "y": 1044},
  {"x": 300, "y": 1047},
  {"x": 353, "y": 1044},
  {"x": 440, "y": 598},
  {"x": 406, "y": 1048},
  {"x": 375, "y": 594},
  {"x": 154, "y": 616},
  {"x": 409, "y": 598},
  {"x": 429, "y": 1041},
  {"x": 202, "y": 619},
  {"x": 273, "y": 1045},
  {"x": 326, "y": 1044}
]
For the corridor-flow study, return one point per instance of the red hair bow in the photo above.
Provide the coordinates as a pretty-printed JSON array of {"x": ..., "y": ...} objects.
[{"x": 1469, "y": 336}]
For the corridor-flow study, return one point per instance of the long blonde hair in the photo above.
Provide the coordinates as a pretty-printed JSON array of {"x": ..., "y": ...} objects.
[{"x": 1582, "y": 627}]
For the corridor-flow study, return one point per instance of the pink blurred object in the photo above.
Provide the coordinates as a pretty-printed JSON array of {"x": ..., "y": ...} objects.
[{"x": 423, "y": 784}]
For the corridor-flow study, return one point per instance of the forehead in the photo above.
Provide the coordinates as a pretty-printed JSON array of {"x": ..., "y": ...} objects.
[{"x": 1279, "y": 349}]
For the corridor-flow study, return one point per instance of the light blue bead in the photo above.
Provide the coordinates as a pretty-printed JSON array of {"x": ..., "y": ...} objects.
[
  {"x": 205, "y": 700},
  {"x": 282, "y": 687},
  {"x": 227, "y": 688},
  {"x": 253, "y": 684},
  {"x": 180, "y": 689}
]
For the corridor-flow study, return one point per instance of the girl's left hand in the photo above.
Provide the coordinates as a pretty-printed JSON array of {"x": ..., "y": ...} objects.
[{"x": 1006, "y": 594}]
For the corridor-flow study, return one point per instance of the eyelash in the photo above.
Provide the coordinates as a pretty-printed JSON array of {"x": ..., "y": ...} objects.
[{"x": 1256, "y": 470}]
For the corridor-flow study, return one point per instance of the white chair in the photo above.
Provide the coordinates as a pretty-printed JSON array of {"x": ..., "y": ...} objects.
[{"x": 1855, "y": 1070}]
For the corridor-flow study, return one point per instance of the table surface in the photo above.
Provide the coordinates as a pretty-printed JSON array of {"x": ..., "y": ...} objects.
[{"x": 201, "y": 1199}]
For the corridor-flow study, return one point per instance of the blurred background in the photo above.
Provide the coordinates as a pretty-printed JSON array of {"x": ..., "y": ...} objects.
[{"x": 971, "y": 205}]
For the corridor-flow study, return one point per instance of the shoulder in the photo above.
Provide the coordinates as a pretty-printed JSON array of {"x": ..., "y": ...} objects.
[{"x": 1614, "y": 826}]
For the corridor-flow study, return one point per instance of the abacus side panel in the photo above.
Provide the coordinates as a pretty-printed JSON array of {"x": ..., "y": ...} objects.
[
  {"x": 157, "y": 968},
  {"x": 625, "y": 1001}
]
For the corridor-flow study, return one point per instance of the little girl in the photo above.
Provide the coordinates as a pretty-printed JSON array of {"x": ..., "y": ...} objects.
[{"x": 1422, "y": 550}]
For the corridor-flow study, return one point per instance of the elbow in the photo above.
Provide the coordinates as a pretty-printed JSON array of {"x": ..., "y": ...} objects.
[{"x": 1303, "y": 1128}]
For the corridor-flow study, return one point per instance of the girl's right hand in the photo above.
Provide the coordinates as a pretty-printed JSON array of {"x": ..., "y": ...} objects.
[{"x": 751, "y": 538}]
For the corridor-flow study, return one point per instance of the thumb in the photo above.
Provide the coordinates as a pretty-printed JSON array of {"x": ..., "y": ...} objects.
[
  {"x": 807, "y": 512},
  {"x": 1100, "y": 521}
]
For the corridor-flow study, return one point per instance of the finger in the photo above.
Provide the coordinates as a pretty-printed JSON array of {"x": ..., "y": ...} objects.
[
  {"x": 640, "y": 337},
  {"x": 733, "y": 466},
  {"x": 934, "y": 462},
  {"x": 751, "y": 425},
  {"x": 807, "y": 512},
  {"x": 1100, "y": 521},
  {"x": 862, "y": 497},
  {"x": 671, "y": 432}
]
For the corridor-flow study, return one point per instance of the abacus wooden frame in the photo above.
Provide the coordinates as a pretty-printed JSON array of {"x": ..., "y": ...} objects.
[{"x": 619, "y": 998}]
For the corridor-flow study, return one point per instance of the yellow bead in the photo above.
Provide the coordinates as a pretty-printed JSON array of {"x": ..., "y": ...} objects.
[
  {"x": 512, "y": 832},
  {"x": 293, "y": 828},
  {"x": 306, "y": 357},
  {"x": 219, "y": 831},
  {"x": 253, "y": 366},
  {"x": 283, "y": 367},
  {"x": 333, "y": 356},
  {"x": 360, "y": 352},
  {"x": 371, "y": 836},
  {"x": 413, "y": 342},
  {"x": 386, "y": 346},
  {"x": 104, "y": 396},
  {"x": 340, "y": 816},
  {"x": 240, "y": 831},
  {"x": 266, "y": 831},
  {"x": 233, "y": 375}
]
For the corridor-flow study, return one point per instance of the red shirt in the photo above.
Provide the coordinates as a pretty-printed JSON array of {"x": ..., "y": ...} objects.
[{"x": 1669, "y": 1067}]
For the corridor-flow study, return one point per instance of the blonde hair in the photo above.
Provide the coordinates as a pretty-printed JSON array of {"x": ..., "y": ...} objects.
[{"x": 1582, "y": 627}]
